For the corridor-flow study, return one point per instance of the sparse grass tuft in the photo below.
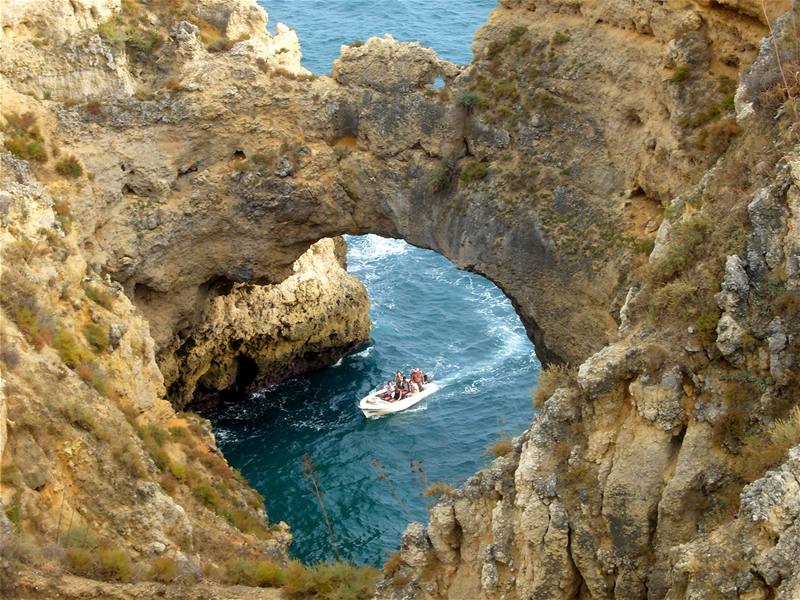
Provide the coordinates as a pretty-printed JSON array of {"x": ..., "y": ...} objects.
[
  {"x": 97, "y": 336},
  {"x": 162, "y": 569},
  {"x": 501, "y": 447},
  {"x": 337, "y": 580},
  {"x": 680, "y": 74},
  {"x": 68, "y": 348},
  {"x": 439, "y": 488},
  {"x": 762, "y": 452},
  {"x": 550, "y": 379},
  {"x": 114, "y": 564},
  {"x": 468, "y": 100},
  {"x": 255, "y": 573},
  {"x": 23, "y": 138},
  {"x": 69, "y": 167},
  {"x": 473, "y": 171},
  {"x": 99, "y": 294}
]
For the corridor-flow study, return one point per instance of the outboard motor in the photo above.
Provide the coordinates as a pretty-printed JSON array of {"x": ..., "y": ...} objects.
[{"x": 427, "y": 377}]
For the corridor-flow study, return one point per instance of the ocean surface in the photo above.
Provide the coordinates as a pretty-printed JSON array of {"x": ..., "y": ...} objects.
[
  {"x": 372, "y": 472},
  {"x": 324, "y": 25},
  {"x": 426, "y": 313}
]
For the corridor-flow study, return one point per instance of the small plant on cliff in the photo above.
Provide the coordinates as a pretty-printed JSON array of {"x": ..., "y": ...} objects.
[
  {"x": 97, "y": 336},
  {"x": 68, "y": 348},
  {"x": 473, "y": 171},
  {"x": 69, "y": 167},
  {"x": 439, "y": 180},
  {"x": 163, "y": 569},
  {"x": 99, "y": 295},
  {"x": 438, "y": 488},
  {"x": 679, "y": 74},
  {"x": 330, "y": 580},
  {"x": 22, "y": 138},
  {"x": 114, "y": 564},
  {"x": 468, "y": 100},
  {"x": 550, "y": 379},
  {"x": 255, "y": 573},
  {"x": 501, "y": 447}
]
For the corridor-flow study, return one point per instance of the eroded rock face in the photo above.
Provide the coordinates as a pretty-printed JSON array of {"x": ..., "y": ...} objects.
[
  {"x": 259, "y": 335},
  {"x": 546, "y": 165}
]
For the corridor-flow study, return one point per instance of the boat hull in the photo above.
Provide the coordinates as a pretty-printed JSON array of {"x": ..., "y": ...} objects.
[{"x": 379, "y": 408}]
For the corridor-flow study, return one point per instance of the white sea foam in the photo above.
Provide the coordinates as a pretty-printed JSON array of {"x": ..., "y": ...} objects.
[{"x": 372, "y": 247}]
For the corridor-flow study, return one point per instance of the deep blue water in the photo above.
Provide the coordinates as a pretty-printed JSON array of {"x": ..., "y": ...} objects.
[
  {"x": 457, "y": 325},
  {"x": 425, "y": 313},
  {"x": 324, "y": 25}
]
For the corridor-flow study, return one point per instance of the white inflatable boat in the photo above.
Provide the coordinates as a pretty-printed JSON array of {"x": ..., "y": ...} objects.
[{"x": 373, "y": 406}]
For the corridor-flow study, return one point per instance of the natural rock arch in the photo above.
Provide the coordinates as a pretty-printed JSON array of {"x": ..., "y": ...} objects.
[{"x": 233, "y": 184}]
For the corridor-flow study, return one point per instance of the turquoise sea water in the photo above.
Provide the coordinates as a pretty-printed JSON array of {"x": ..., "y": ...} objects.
[
  {"x": 324, "y": 25},
  {"x": 427, "y": 313}
]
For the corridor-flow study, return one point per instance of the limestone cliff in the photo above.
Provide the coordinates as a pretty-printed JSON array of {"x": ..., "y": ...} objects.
[
  {"x": 256, "y": 335},
  {"x": 625, "y": 171}
]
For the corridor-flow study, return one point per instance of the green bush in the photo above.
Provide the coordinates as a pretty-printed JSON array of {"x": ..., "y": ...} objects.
[
  {"x": 255, "y": 573},
  {"x": 22, "y": 137},
  {"x": 69, "y": 167},
  {"x": 439, "y": 179},
  {"x": 114, "y": 564},
  {"x": 97, "y": 336},
  {"x": 332, "y": 581},
  {"x": 516, "y": 34},
  {"x": 163, "y": 569},
  {"x": 680, "y": 74},
  {"x": 468, "y": 100},
  {"x": 473, "y": 171},
  {"x": 99, "y": 295},
  {"x": 501, "y": 447},
  {"x": 439, "y": 488},
  {"x": 80, "y": 562},
  {"x": 68, "y": 348}
]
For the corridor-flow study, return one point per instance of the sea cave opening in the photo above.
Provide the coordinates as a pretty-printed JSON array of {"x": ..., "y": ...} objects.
[{"x": 376, "y": 475}]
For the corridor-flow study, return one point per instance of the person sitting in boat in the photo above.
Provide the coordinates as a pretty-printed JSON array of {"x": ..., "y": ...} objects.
[
  {"x": 388, "y": 394},
  {"x": 413, "y": 388}
]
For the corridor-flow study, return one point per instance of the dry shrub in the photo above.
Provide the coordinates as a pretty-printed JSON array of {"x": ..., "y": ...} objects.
[
  {"x": 168, "y": 483},
  {"x": 80, "y": 562},
  {"x": 672, "y": 299},
  {"x": 330, "y": 580},
  {"x": 438, "y": 488},
  {"x": 550, "y": 379},
  {"x": 715, "y": 137},
  {"x": 23, "y": 138},
  {"x": 126, "y": 454},
  {"x": 97, "y": 336},
  {"x": 163, "y": 569},
  {"x": 255, "y": 573},
  {"x": 392, "y": 564},
  {"x": 501, "y": 447},
  {"x": 114, "y": 564},
  {"x": 93, "y": 107},
  {"x": 761, "y": 452},
  {"x": 69, "y": 167}
]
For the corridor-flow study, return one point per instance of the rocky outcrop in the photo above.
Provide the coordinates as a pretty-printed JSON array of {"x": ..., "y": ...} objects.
[
  {"x": 601, "y": 162},
  {"x": 95, "y": 459},
  {"x": 260, "y": 335}
]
